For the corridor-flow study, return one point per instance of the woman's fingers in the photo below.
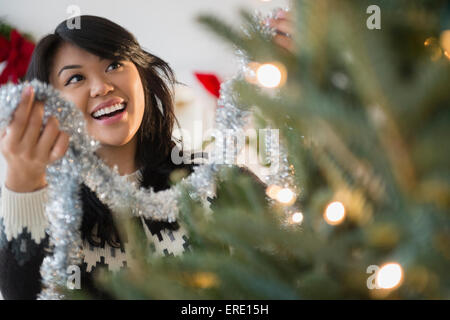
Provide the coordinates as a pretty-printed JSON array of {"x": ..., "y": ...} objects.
[
  {"x": 48, "y": 138},
  {"x": 3, "y": 133},
  {"x": 34, "y": 126},
  {"x": 284, "y": 28},
  {"x": 20, "y": 118},
  {"x": 60, "y": 147},
  {"x": 284, "y": 42}
]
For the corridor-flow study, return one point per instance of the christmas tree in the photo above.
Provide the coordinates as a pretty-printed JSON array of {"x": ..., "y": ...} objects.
[{"x": 362, "y": 108}]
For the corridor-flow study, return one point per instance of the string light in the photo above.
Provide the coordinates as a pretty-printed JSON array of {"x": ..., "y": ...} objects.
[
  {"x": 445, "y": 40},
  {"x": 270, "y": 75},
  {"x": 203, "y": 280},
  {"x": 389, "y": 276},
  {"x": 286, "y": 196},
  {"x": 297, "y": 217},
  {"x": 429, "y": 41},
  {"x": 273, "y": 190},
  {"x": 447, "y": 54},
  {"x": 334, "y": 213}
]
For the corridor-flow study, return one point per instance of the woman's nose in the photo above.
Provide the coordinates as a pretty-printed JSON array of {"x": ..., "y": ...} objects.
[{"x": 100, "y": 88}]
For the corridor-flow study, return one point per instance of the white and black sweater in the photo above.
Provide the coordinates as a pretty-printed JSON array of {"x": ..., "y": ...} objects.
[{"x": 23, "y": 243}]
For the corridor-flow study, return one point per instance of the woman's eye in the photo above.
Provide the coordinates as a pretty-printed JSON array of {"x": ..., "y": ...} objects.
[
  {"x": 116, "y": 65},
  {"x": 74, "y": 77}
]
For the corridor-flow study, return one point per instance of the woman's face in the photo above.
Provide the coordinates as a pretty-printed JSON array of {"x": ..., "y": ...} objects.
[{"x": 91, "y": 82}]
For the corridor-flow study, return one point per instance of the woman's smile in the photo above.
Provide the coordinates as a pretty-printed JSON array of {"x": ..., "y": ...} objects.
[{"x": 111, "y": 111}]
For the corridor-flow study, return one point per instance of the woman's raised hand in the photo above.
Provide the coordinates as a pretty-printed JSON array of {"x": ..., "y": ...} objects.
[
  {"x": 26, "y": 150},
  {"x": 282, "y": 23}
]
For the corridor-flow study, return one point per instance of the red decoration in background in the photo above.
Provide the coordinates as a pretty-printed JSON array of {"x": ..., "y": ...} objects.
[
  {"x": 210, "y": 81},
  {"x": 18, "y": 53}
]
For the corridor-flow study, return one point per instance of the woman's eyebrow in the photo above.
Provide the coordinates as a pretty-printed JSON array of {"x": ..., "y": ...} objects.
[{"x": 72, "y": 66}]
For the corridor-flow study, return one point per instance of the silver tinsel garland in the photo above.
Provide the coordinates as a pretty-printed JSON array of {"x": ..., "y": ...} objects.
[{"x": 80, "y": 164}]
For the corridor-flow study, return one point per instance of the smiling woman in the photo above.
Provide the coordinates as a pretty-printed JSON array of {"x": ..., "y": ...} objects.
[
  {"x": 103, "y": 61},
  {"x": 95, "y": 86},
  {"x": 125, "y": 95}
]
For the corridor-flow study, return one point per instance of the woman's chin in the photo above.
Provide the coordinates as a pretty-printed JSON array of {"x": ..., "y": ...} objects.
[{"x": 111, "y": 142}]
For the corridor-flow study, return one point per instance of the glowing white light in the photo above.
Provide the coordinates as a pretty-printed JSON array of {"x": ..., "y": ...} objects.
[
  {"x": 445, "y": 40},
  {"x": 389, "y": 276},
  {"x": 447, "y": 54},
  {"x": 334, "y": 213},
  {"x": 297, "y": 217},
  {"x": 285, "y": 196},
  {"x": 273, "y": 190},
  {"x": 269, "y": 75}
]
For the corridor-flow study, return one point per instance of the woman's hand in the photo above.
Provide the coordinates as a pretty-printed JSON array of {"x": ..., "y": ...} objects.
[
  {"x": 26, "y": 151},
  {"x": 284, "y": 28}
]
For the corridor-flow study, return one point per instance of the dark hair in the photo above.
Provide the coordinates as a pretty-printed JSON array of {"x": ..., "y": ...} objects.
[{"x": 108, "y": 40}]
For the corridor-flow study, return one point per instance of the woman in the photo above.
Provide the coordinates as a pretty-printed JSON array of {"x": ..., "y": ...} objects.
[{"x": 125, "y": 96}]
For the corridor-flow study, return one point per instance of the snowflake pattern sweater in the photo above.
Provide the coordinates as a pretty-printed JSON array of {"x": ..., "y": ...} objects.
[{"x": 23, "y": 244}]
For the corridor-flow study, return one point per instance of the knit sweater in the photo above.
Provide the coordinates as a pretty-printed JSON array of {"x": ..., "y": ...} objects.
[{"x": 23, "y": 244}]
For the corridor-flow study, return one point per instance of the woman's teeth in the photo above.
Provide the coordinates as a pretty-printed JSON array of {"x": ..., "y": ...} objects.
[{"x": 106, "y": 111}]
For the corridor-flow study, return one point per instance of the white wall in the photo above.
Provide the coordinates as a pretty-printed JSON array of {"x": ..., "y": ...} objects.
[{"x": 166, "y": 27}]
